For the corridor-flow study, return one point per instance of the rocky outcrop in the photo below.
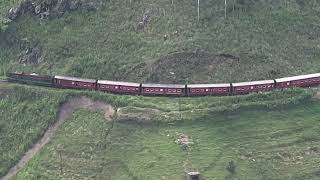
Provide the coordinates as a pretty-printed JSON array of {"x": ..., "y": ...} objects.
[
  {"x": 51, "y": 8},
  {"x": 30, "y": 56}
]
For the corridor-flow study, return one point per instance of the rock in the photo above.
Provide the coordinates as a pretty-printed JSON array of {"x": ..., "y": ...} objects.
[
  {"x": 44, "y": 15},
  {"x": 140, "y": 26},
  {"x": 24, "y": 7},
  {"x": 37, "y": 9},
  {"x": 53, "y": 8},
  {"x": 30, "y": 56},
  {"x": 146, "y": 17},
  {"x": 89, "y": 5},
  {"x": 61, "y": 7},
  {"x": 74, "y": 5},
  {"x": 27, "y": 6},
  {"x": 14, "y": 13},
  {"x": 145, "y": 20}
]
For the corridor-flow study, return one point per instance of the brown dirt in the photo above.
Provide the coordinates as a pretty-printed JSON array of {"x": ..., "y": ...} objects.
[{"x": 64, "y": 113}]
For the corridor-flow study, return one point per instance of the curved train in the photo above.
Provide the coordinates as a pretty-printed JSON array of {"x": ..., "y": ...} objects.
[{"x": 147, "y": 89}]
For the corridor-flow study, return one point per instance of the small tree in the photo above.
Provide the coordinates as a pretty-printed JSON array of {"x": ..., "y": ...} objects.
[{"x": 231, "y": 167}]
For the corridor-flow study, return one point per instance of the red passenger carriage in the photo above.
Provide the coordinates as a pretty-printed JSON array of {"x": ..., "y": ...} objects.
[
  {"x": 118, "y": 87},
  {"x": 299, "y": 81},
  {"x": 208, "y": 89},
  {"x": 163, "y": 89},
  {"x": 254, "y": 86},
  {"x": 75, "y": 83}
]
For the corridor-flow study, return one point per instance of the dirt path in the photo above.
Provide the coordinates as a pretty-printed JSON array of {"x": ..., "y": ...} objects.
[{"x": 64, "y": 113}]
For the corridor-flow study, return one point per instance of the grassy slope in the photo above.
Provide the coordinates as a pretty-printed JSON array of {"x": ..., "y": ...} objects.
[
  {"x": 272, "y": 39},
  {"x": 25, "y": 115},
  {"x": 278, "y": 144},
  {"x": 27, "y": 111}
]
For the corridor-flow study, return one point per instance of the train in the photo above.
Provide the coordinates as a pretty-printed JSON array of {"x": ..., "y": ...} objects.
[{"x": 150, "y": 89}]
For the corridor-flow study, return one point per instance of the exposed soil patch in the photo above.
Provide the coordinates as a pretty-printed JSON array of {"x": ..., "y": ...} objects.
[
  {"x": 64, "y": 113},
  {"x": 136, "y": 114},
  {"x": 191, "y": 67},
  {"x": 188, "y": 66}
]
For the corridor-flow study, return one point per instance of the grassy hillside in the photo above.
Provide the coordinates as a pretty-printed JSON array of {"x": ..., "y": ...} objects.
[
  {"x": 277, "y": 144},
  {"x": 26, "y": 112},
  {"x": 25, "y": 115},
  {"x": 266, "y": 39}
]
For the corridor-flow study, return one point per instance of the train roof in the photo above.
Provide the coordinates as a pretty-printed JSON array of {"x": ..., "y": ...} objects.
[
  {"x": 253, "y": 83},
  {"x": 120, "y": 83},
  {"x": 75, "y": 79},
  {"x": 293, "y": 78},
  {"x": 164, "y": 85},
  {"x": 208, "y": 85}
]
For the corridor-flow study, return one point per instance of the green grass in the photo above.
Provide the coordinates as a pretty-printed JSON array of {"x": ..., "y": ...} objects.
[
  {"x": 269, "y": 135},
  {"x": 26, "y": 111},
  {"x": 272, "y": 39},
  {"x": 25, "y": 115},
  {"x": 277, "y": 144}
]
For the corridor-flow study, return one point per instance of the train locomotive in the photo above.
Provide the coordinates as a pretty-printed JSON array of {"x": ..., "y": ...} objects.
[{"x": 148, "y": 89}]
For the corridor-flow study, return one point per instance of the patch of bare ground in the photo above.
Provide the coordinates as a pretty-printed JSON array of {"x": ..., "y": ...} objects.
[
  {"x": 193, "y": 65},
  {"x": 196, "y": 66},
  {"x": 136, "y": 114},
  {"x": 317, "y": 95},
  {"x": 65, "y": 112}
]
